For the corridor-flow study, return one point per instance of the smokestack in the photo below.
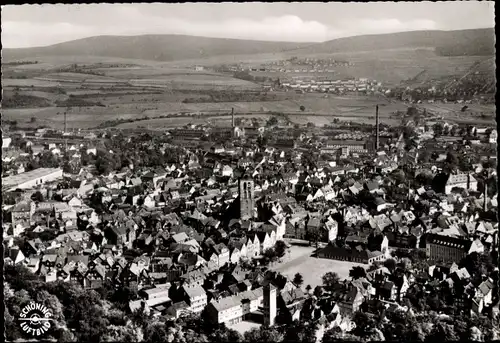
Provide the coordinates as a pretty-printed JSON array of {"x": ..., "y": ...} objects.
[
  {"x": 65, "y": 129},
  {"x": 232, "y": 116},
  {"x": 376, "y": 129},
  {"x": 485, "y": 205}
]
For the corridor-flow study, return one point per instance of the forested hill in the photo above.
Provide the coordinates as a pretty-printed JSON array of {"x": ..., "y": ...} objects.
[
  {"x": 153, "y": 47},
  {"x": 178, "y": 47},
  {"x": 446, "y": 43}
]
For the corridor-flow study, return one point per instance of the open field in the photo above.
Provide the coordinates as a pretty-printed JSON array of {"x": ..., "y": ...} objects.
[
  {"x": 477, "y": 114},
  {"x": 319, "y": 110},
  {"x": 136, "y": 89},
  {"x": 312, "y": 268}
]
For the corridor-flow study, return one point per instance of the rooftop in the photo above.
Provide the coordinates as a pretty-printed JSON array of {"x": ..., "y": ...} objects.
[
  {"x": 14, "y": 180},
  {"x": 236, "y": 300}
]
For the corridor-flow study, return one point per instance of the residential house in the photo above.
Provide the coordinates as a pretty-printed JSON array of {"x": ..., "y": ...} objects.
[
  {"x": 235, "y": 308},
  {"x": 196, "y": 297}
]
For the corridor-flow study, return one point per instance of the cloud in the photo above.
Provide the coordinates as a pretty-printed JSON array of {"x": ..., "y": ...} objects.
[
  {"x": 130, "y": 21},
  {"x": 389, "y": 25},
  {"x": 285, "y": 28}
]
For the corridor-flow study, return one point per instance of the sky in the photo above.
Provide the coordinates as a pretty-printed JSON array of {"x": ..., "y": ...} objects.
[{"x": 41, "y": 25}]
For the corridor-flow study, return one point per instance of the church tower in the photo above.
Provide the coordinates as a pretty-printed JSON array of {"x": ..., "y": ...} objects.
[
  {"x": 247, "y": 200},
  {"x": 270, "y": 306}
]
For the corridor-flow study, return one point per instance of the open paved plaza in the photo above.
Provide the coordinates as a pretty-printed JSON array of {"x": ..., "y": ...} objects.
[{"x": 299, "y": 260}]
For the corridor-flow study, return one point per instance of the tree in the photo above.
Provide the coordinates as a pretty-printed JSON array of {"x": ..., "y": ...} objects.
[
  {"x": 64, "y": 335},
  {"x": 314, "y": 236},
  {"x": 116, "y": 333},
  {"x": 330, "y": 280},
  {"x": 336, "y": 335},
  {"x": 308, "y": 288},
  {"x": 412, "y": 111},
  {"x": 32, "y": 120},
  {"x": 309, "y": 124},
  {"x": 424, "y": 156},
  {"x": 155, "y": 332},
  {"x": 300, "y": 331},
  {"x": 438, "y": 129},
  {"x": 390, "y": 264},
  {"x": 302, "y": 108},
  {"x": 364, "y": 324},
  {"x": 318, "y": 291},
  {"x": 464, "y": 162},
  {"x": 51, "y": 302},
  {"x": 280, "y": 248},
  {"x": 272, "y": 121},
  {"x": 490, "y": 164},
  {"x": 357, "y": 272},
  {"x": 19, "y": 277},
  {"x": 451, "y": 159},
  {"x": 37, "y": 197},
  {"x": 262, "y": 141},
  {"x": 442, "y": 332},
  {"x": 298, "y": 279},
  {"x": 223, "y": 334},
  {"x": 104, "y": 165},
  {"x": 399, "y": 175},
  {"x": 270, "y": 255},
  {"x": 263, "y": 334}
]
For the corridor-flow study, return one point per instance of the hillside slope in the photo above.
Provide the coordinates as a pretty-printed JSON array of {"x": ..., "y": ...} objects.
[
  {"x": 164, "y": 48},
  {"x": 152, "y": 47},
  {"x": 447, "y": 43}
]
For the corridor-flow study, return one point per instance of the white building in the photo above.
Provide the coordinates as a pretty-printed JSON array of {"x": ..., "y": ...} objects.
[
  {"x": 227, "y": 171},
  {"x": 6, "y": 142},
  {"x": 493, "y": 137},
  {"x": 197, "y": 297},
  {"x": 465, "y": 181},
  {"x": 32, "y": 178},
  {"x": 232, "y": 309}
]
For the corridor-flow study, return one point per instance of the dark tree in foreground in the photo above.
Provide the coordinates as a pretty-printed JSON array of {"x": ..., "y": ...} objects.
[
  {"x": 298, "y": 279},
  {"x": 330, "y": 280},
  {"x": 357, "y": 272},
  {"x": 280, "y": 249},
  {"x": 263, "y": 334},
  {"x": 390, "y": 264},
  {"x": 37, "y": 196},
  {"x": 318, "y": 291}
]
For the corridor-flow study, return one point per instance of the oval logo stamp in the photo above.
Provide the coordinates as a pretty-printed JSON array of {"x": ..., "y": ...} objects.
[{"x": 35, "y": 319}]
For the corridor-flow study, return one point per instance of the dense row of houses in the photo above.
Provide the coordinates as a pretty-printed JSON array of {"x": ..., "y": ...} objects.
[{"x": 182, "y": 232}]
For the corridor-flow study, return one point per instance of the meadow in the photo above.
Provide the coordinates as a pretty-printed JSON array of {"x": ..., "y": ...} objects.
[{"x": 136, "y": 89}]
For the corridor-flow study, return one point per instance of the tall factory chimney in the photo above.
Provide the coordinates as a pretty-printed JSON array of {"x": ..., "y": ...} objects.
[
  {"x": 376, "y": 129},
  {"x": 65, "y": 139},
  {"x": 485, "y": 196},
  {"x": 65, "y": 125},
  {"x": 232, "y": 116}
]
